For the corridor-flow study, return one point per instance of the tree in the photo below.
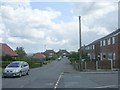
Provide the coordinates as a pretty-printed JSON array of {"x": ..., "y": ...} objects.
[
  {"x": 74, "y": 56},
  {"x": 21, "y": 52},
  {"x": 7, "y": 58}
]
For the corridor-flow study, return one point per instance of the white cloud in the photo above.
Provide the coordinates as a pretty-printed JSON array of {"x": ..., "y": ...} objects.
[
  {"x": 22, "y": 21},
  {"x": 54, "y": 41},
  {"x": 34, "y": 28},
  {"x": 98, "y": 19},
  {"x": 17, "y": 40},
  {"x": 24, "y": 26}
]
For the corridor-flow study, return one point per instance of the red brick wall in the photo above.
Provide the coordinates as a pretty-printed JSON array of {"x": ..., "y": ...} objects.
[
  {"x": 105, "y": 64},
  {"x": 118, "y": 50}
]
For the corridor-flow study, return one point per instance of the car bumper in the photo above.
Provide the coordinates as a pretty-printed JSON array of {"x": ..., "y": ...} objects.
[{"x": 10, "y": 74}]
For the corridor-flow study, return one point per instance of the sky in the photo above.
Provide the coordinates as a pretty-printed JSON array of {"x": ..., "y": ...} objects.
[{"x": 37, "y": 25}]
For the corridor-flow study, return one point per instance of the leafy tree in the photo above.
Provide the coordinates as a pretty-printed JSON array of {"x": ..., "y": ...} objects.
[
  {"x": 74, "y": 56},
  {"x": 7, "y": 58},
  {"x": 21, "y": 52}
]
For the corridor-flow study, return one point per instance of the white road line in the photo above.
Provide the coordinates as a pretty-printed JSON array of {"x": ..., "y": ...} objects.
[
  {"x": 22, "y": 86},
  {"x": 58, "y": 80},
  {"x": 108, "y": 86}
]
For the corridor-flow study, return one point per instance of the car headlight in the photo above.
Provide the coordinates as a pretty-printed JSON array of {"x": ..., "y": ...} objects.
[{"x": 5, "y": 70}]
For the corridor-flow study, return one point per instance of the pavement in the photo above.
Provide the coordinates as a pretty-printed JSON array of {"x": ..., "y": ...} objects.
[{"x": 61, "y": 74}]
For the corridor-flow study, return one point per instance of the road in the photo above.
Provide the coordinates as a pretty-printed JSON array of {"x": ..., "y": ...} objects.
[{"x": 60, "y": 74}]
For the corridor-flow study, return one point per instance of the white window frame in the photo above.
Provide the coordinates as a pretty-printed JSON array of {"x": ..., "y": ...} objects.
[
  {"x": 109, "y": 41},
  {"x": 101, "y": 43},
  {"x": 113, "y": 40},
  {"x": 114, "y": 56},
  {"x": 101, "y": 56},
  {"x": 104, "y": 42},
  {"x": 93, "y": 46},
  {"x": 110, "y": 56}
]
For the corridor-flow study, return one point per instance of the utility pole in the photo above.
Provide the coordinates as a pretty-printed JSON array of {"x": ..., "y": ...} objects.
[
  {"x": 80, "y": 64},
  {"x": 80, "y": 31}
]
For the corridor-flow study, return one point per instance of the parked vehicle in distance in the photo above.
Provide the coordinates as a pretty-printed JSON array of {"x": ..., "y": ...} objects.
[
  {"x": 59, "y": 58},
  {"x": 16, "y": 68}
]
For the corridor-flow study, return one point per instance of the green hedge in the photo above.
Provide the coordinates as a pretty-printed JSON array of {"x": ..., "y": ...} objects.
[
  {"x": 5, "y": 63},
  {"x": 35, "y": 64},
  {"x": 32, "y": 64}
]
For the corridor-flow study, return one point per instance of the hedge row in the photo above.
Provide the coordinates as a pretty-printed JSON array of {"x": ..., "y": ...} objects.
[{"x": 32, "y": 64}]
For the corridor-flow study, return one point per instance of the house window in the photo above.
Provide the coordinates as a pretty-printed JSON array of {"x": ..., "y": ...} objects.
[
  {"x": 114, "y": 56},
  {"x": 101, "y": 56},
  {"x": 110, "y": 56},
  {"x": 88, "y": 47},
  {"x": 113, "y": 40},
  {"x": 104, "y": 42},
  {"x": 93, "y": 56},
  {"x": 93, "y": 46},
  {"x": 109, "y": 41},
  {"x": 104, "y": 56},
  {"x": 64, "y": 53},
  {"x": 101, "y": 43},
  {"x": 88, "y": 54},
  {"x": 51, "y": 53}
]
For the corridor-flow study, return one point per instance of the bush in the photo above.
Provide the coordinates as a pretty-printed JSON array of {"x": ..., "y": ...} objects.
[
  {"x": 5, "y": 63},
  {"x": 74, "y": 55},
  {"x": 32, "y": 64},
  {"x": 36, "y": 64},
  {"x": 7, "y": 58}
]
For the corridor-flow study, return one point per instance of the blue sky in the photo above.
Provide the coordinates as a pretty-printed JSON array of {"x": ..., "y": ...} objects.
[{"x": 64, "y": 7}]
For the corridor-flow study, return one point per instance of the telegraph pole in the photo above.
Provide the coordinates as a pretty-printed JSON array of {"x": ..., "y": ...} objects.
[
  {"x": 80, "y": 64},
  {"x": 80, "y": 31}
]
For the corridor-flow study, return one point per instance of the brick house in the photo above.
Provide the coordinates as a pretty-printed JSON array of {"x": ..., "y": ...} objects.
[
  {"x": 106, "y": 48},
  {"x": 62, "y": 53},
  {"x": 6, "y": 50},
  {"x": 49, "y": 53},
  {"x": 38, "y": 56},
  {"x": 92, "y": 50}
]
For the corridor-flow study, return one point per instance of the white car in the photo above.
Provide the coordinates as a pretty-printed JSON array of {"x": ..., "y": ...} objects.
[{"x": 16, "y": 68}]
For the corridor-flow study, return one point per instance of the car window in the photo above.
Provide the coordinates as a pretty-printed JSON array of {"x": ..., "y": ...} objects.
[
  {"x": 25, "y": 64},
  {"x": 13, "y": 65}
]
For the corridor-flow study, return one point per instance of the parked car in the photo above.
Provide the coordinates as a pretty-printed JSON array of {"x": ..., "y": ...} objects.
[
  {"x": 16, "y": 68},
  {"x": 59, "y": 58}
]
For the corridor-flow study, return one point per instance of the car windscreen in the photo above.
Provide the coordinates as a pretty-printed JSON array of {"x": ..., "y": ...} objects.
[{"x": 13, "y": 65}]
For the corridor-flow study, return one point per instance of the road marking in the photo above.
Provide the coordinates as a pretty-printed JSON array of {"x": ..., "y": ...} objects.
[
  {"x": 22, "y": 86},
  {"x": 58, "y": 80},
  {"x": 108, "y": 86}
]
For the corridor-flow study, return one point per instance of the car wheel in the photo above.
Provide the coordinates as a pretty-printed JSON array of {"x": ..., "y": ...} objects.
[
  {"x": 27, "y": 73},
  {"x": 20, "y": 74},
  {"x": 3, "y": 76}
]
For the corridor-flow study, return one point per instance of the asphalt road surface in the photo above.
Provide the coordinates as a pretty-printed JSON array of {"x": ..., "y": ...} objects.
[{"x": 60, "y": 74}]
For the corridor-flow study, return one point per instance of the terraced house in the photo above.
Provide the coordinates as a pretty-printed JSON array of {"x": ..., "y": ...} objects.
[
  {"x": 62, "y": 53},
  {"x": 49, "y": 53},
  {"x": 106, "y": 48}
]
